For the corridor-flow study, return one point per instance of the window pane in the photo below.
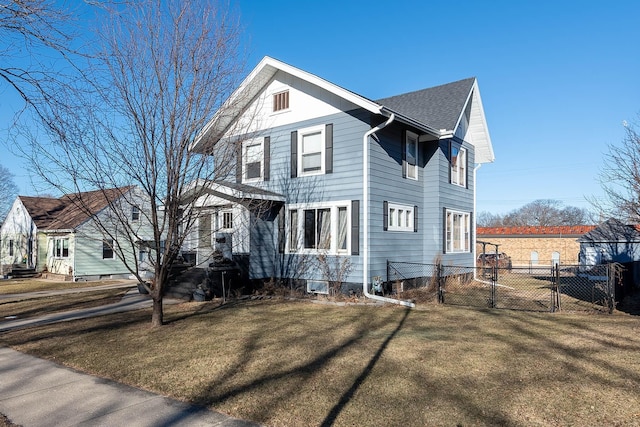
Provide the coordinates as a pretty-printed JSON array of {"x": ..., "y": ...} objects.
[
  {"x": 312, "y": 143},
  {"x": 65, "y": 248},
  {"x": 311, "y": 162},
  {"x": 392, "y": 217},
  {"x": 253, "y": 170},
  {"x": 253, "y": 161},
  {"x": 342, "y": 228},
  {"x": 293, "y": 229},
  {"x": 411, "y": 151},
  {"x": 310, "y": 229},
  {"x": 449, "y": 232},
  {"x": 324, "y": 228}
]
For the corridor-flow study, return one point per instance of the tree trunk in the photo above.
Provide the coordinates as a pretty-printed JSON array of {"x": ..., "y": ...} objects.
[{"x": 157, "y": 317}]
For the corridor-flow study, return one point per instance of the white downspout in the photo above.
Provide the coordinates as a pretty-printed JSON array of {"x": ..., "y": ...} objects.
[
  {"x": 475, "y": 221},
  {"x": 365, "y": 213}
]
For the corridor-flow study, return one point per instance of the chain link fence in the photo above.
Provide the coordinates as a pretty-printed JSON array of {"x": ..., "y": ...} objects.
[{"x": 551, "y": 289}]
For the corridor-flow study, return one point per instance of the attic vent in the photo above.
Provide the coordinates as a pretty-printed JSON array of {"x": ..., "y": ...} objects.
[{"x": 281, "y": 101}]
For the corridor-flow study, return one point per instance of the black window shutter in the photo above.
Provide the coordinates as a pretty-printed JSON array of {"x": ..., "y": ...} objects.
[
  {"x": 450, "y": 159},
  {"x": 415, "y": 219},
  {"x": 355, "y": 227},
  {"x": 403, "y": 147},
  {"x": 444, "y": 230},
  {"x": 328, "y": 148},
  {"x": 294, "y": 154},
  {"x": 239, "y": 163},
  {"x": 266, "y": 156},
  {"x": 281, "y": 230},
  {"x": 385, "y": 215}
]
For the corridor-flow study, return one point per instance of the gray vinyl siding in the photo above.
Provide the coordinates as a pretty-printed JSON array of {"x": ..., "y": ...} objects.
[
  {"x": 457, "y": 198},
  {"x": 263, "y": 248},
  {"x": 431, "y": 193},
  {"x": 344, "y": 183},
  {"x": 388, "y": 184}
]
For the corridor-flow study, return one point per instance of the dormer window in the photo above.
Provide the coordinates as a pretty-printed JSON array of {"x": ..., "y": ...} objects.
[{"x": 281, "y": 101}]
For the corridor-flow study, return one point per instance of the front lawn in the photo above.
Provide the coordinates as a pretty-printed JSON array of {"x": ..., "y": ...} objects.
[{"x": 297, "y": 363}]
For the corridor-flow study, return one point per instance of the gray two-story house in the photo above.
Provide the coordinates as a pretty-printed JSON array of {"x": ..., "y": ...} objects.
[{"x": 330, "y": 185}]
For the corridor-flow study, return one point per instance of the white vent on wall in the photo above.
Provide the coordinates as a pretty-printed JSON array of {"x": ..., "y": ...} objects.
[{"x": 318, "y": 286}]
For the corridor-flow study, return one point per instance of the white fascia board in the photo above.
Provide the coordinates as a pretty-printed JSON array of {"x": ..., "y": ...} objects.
[
  {"x": 484, "y": 148},
  {"x": 255, "y": 82}
]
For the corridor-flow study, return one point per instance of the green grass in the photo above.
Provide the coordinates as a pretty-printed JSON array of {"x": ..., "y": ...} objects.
[{"x": 297, "y": 363}]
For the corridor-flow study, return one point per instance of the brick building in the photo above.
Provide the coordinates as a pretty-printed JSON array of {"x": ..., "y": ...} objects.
[{"x": 534, "y": 245}]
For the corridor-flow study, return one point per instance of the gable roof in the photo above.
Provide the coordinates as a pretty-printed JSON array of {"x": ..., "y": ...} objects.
[
  {"x": 435, "y": 111},
  {"x": 70, "y": 210},
  {"x": 438, "y": 107},
  {"x": 555, "y": 231}
]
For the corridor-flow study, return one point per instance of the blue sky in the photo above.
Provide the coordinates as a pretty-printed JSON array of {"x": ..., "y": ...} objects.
[{"x": 557, "y": 79}]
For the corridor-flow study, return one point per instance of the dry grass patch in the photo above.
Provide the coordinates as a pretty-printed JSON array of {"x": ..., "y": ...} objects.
[
  {"x": 32, "y": 307},
  {"x": 17, "y": 286},
  {"x": 296, "y": 363}
]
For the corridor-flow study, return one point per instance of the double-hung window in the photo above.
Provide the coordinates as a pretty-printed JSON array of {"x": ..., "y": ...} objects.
[
  {"x": 107, "y": 249},
  {"x": 61, "y": 248},
  {"x": 135, "y": 213},
  {"x": 252, "y": 156},
  {"x": 457, "y": 231},
  {"x": 411, "y": 155},
  {"x": 311, "y": 150},
  {"x": 458, "y": 166},
  {"x": 319, "y": 228}
]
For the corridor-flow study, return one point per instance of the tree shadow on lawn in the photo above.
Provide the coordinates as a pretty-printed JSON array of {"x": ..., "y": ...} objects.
[{"x": 280, "y": 374}]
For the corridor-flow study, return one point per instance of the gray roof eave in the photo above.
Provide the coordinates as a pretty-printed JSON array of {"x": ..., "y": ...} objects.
[{"x": 415, "y": 123}]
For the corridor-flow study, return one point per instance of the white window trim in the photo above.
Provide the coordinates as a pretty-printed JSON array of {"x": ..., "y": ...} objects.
[
  {"x": 333, "y": 246},
  {"x": 410, "y": 168},
  {"x": 245, "y": 144},
  {"x": 394, "y": 217},
  {"x": 301, "y": 134},
  {"x": 61, "y": 239},
  {"x": 459, "y": 176},
  {"x": 465, "y": 232}
]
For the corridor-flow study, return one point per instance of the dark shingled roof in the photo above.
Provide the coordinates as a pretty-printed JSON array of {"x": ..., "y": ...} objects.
[
  {"x": 438, "y": 107},
  {"x": 70, "y": 210}
]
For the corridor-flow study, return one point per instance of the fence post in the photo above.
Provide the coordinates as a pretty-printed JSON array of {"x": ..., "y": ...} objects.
[
  {"x": 440, "y": 283},
  {"x": 555, "y": 288},
  {"x": 611, "y": 286},
  {"x": 494, "y": 281}
]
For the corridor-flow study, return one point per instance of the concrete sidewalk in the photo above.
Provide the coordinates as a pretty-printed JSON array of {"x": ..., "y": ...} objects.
[{"x": 36, "y": 392}]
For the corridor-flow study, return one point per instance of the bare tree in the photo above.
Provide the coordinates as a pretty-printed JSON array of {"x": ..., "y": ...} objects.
[
  {"x": 163, "y": 69},
  {"x": 35, "y": 34},
  {"x": 543, "y": 212},
  {"x": 8, "y": 191},
  {"x": 620, "y": 179}
]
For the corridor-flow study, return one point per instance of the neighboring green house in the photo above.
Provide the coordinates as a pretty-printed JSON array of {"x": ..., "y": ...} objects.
[{"x": 78, "y": 236}]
